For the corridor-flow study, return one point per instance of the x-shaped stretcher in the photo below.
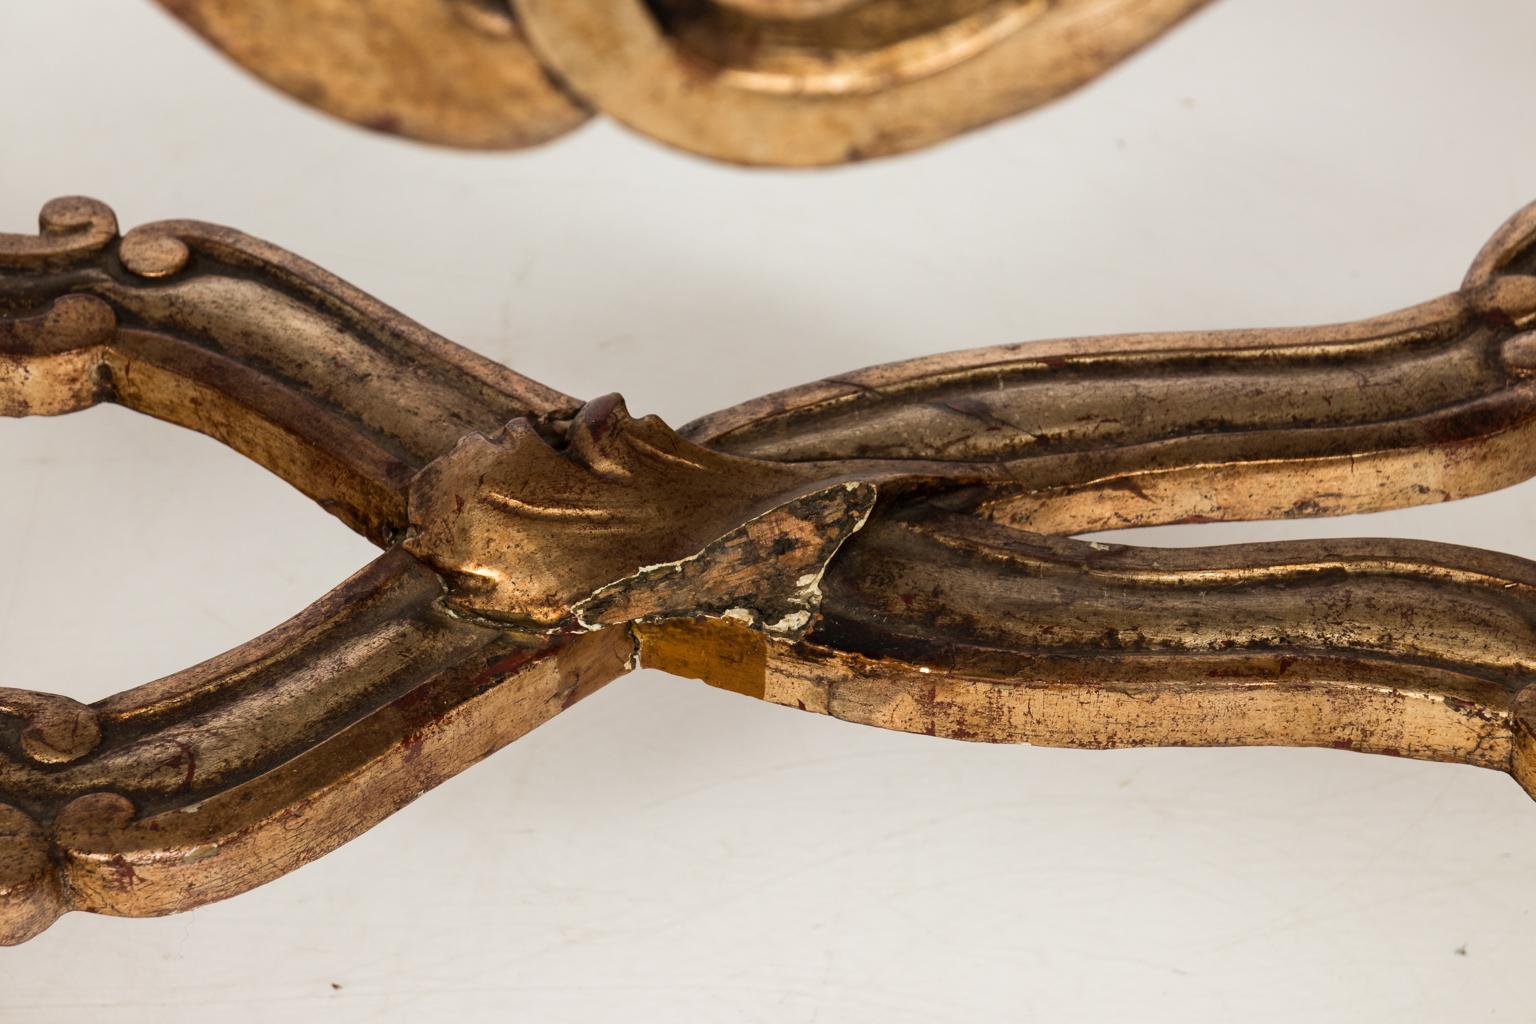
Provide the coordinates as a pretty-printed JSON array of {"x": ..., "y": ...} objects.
[{"x": 890, "y": 547}]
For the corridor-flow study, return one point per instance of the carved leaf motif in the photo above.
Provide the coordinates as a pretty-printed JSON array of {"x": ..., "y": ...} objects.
[{"x": 628, "y": 521}]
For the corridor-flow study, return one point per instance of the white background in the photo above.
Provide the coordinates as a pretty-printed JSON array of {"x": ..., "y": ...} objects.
[{"x": 667, "y": 852}]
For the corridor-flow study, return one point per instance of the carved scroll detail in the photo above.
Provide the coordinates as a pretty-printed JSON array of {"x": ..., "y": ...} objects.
[
  {"x": 779, "y": 82},
  {"x": 213, "y": 330},
  {"x": 825, "y": 83}
]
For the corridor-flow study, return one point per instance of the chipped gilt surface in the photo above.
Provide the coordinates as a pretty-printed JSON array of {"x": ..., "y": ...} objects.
[{"x": 891, "y": 547}]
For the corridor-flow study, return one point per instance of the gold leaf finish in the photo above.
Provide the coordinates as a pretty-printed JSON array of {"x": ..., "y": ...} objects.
[
  {"x": 846, "y": 81},
  {"x": 892, "y": 547},
  {"x": 773, "y": 82},
  {"x": 453, "y": 72}
]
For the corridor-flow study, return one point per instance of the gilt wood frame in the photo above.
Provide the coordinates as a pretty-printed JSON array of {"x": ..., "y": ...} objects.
[{"x": 891, "y": 547}]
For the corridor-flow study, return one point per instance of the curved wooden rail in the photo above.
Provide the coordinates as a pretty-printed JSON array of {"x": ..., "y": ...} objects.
[
  {"x": 891, "y": 547},
  {"x": 213, "y": 330}
]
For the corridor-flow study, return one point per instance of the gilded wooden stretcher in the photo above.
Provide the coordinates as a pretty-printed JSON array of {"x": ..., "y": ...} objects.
[
  {"x": 787, "y": 82},
  {"x": 890, "y": 547}
]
